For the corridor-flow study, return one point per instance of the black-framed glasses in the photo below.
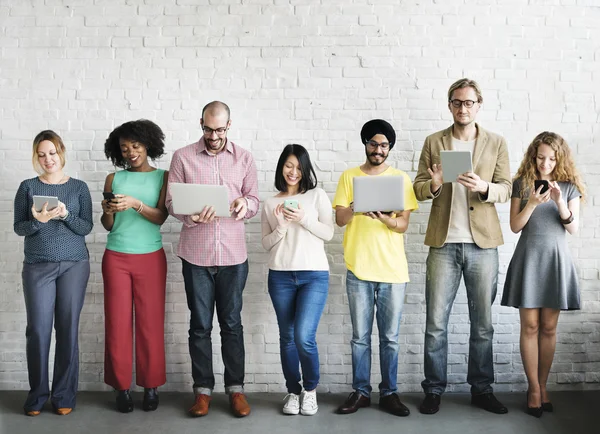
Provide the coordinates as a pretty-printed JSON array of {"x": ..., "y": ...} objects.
[
  {"x": 456, "y": 103},
  {"x": 209, "y": 130},
  {"x": 374, "y": 145}
]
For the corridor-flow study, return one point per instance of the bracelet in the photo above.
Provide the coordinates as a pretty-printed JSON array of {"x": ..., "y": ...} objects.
[
  {"x": 66, "y": 215},
  {"x": 568, "y": 219},
  {"x": 141, "y": 208}
]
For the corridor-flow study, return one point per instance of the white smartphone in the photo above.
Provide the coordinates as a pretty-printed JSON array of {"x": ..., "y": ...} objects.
[{"x": 39, "y": 201}]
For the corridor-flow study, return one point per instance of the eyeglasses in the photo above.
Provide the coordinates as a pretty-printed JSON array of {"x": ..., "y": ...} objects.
[
  {"x": 374, "y": 145},
  {"x": 209, "y": 130},
  {"x": 456, "y": 103}
]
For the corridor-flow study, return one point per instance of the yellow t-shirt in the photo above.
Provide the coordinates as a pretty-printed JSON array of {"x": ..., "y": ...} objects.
[{"x": 372, "y": 251}]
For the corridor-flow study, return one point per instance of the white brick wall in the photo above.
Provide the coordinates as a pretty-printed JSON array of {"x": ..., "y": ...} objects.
[{"x": 307, "y": 72}]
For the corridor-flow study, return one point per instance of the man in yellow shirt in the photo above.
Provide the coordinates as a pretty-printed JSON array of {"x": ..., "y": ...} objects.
[{"x": 377, "y": 272}]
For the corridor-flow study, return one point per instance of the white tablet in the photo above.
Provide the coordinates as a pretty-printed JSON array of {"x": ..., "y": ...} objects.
[
  {"x": 378, "y": 193},
  {"x": 39, "y": 202},
  {"x": 455, "y": 163},
  {"x": 189, "y": 199}
]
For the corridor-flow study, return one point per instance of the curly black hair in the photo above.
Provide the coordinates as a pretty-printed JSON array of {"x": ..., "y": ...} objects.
[{"x": 142, "y": 131}]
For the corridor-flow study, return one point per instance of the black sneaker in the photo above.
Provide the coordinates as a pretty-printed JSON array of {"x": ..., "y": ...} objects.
[
  {"x": 431, "y": 404},
  {"x": 488, "y": 402}
]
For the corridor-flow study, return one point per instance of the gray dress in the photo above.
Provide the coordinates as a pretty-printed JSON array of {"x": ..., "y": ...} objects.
[{"x": 541, "y": 272}]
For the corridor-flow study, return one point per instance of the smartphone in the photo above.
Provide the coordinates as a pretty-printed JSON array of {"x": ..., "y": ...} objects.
[
  {"x": 39, "y": 202},
  {"x": 541, "y": 182},
  {"x": 108, "y": 195},
  {"x": 290, "y": 204}
]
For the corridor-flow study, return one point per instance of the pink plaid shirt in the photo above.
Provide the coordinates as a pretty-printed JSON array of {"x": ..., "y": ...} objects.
[{"x": 223, "y": 241}]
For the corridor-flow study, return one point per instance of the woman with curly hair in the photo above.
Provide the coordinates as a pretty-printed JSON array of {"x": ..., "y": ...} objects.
[
  {"x": 134, "y": 266},
  {"x": 541, "y": 279}
]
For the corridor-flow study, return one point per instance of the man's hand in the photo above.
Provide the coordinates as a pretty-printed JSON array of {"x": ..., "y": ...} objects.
[
  {"x": 386, "y": 219},
  {"x": 473, "y": 182},
  {"x": 240, "y": 207},
  {"x": 437, "y": 177},
  {"x": 206, "y": 216}
]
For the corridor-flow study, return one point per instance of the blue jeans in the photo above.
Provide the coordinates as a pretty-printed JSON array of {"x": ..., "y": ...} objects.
[
  {"x": 479, "y": 267},
  {"x": 205, "y": 288},
  {"x": 363, "y": 296},
  {"x": 299, "y": 298},
  {"x": 54, "y": 292}
]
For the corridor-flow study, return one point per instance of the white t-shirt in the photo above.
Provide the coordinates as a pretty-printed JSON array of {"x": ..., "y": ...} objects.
[
  {"x": 459, "y": 228},
  {"x": 300, "y": 246}
]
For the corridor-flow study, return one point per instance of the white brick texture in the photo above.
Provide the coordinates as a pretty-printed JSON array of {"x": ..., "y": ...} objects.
[{"x": 309, "y": 72}]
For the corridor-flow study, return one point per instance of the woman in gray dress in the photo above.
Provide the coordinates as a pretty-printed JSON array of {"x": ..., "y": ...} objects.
[{"x": 541, "y": 279}]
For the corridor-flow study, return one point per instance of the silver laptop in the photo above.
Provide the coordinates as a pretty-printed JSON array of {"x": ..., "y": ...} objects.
[
  {"x": 378, "y": 193},
  {"x": 190, "y": 199}
]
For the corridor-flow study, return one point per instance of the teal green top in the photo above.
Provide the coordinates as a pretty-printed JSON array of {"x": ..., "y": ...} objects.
[{"x": 131, "y": 232}]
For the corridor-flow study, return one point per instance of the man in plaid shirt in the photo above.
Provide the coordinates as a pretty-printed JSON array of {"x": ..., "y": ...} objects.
[{"x": 213, "y": 253}]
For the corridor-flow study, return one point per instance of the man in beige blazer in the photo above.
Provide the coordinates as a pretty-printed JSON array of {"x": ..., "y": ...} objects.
[{"x": 463, "y": 234}]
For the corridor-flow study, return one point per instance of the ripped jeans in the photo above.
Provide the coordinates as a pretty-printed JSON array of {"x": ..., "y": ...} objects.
[{"x": 445, "y": 266}]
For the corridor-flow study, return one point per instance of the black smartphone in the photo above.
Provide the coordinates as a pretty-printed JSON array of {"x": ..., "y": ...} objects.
[
  {"x": 541, "y": 182},
  {"x": 108, "y": 195}
]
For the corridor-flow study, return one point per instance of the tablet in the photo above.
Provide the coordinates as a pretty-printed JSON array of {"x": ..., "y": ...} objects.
[
  {"x": 378, "y": 193},
  {"x": 455, "y": 163},
  {"x": 39, "y": 202},
  {"x": 190, "y": 199}
]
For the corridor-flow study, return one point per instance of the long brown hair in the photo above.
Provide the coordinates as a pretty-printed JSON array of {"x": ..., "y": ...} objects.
[{"x": 564, "y": 171}]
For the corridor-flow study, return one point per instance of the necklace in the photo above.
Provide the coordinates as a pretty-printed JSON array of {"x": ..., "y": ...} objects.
[{"x": 46, "y": 181}]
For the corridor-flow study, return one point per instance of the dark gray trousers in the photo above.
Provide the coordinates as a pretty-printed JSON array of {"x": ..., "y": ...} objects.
[{"x": 54, "y": 292}]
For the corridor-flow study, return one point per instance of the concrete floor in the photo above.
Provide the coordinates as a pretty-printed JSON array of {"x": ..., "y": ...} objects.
[{"x": 574, "y": 413}]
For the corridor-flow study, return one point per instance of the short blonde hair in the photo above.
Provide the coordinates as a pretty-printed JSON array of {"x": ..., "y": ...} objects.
[
  {"x": 58, "y": 144},
  {"x": 465, "y": 82}
]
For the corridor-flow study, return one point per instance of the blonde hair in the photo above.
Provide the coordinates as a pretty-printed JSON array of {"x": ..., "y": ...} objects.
[
  {"x": 465, "y": 82},
  {"x": 51, "y": 136},
  {"x": 564, "y": 171}
]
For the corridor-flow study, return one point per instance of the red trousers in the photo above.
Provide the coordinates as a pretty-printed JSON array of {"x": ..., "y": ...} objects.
[{"x": 133, "y": 281}]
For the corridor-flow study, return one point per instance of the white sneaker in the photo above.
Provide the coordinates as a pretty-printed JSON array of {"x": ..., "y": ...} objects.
[
  {"x": 309, "y": 402},
  {"x": 292, "y": 404}
]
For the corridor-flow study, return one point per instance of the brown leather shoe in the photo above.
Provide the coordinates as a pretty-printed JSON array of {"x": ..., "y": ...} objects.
[
  {"x": 354, "y": 401},
  {"x": 63, "y": 411},
  {"x": 200, "y": 407},
  {"x": 239, "y": 404},
  {"x": 32, "y": 412}
]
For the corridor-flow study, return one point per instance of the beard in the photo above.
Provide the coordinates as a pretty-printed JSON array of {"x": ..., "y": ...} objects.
[
  {"x": 371, "y": 158},
  {"x": 215, "y": 145}
]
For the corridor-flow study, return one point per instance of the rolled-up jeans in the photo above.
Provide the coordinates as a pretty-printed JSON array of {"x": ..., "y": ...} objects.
[
  {"x": 207, "y": 288},
  {"x": 445, "y": 266},
  {"x": 363, "y": 297},
  {"x": 299, "y": 298}
]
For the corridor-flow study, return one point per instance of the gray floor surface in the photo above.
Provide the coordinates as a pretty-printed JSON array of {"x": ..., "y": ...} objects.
[{"x": 575, "y": 412}]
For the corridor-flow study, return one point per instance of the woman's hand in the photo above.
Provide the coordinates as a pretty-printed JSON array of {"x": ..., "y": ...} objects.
[
  {"x": 555, "y": 192},
  {"x": 44, "y": 216},
  {"x": 537, "y": 197},
  {"x": 282, "y": 222},
  {"x": 122, "y": 203},
  {"x": 63, "y": 212},
  {"x": 293, "y": 214},
  {"x": 108, "y": 207}
]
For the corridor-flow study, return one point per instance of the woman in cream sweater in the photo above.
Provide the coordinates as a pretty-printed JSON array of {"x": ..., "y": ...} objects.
[{"x": 295, "y": 224}]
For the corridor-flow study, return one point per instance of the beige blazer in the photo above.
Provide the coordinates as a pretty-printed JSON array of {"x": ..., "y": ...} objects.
[{"x": 490, "y": 162}]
